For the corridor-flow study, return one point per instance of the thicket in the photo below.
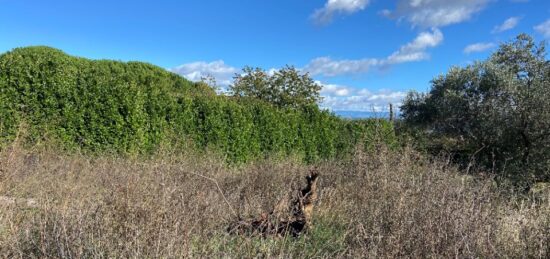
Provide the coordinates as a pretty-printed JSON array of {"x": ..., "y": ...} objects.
[{"x": 103, "y": 105}]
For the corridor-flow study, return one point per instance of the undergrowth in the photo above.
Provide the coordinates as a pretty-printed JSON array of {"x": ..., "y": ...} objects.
[{"x": 381, "y": 203}]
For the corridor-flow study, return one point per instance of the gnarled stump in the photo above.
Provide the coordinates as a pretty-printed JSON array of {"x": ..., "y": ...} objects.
[{"x": 290, "y": 216}]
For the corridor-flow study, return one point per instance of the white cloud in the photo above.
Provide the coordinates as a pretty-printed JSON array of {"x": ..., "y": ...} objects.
[
  {"x": 335, "y": 7},
  {"x": 328, "y": 67},
  {"x": 345, "y": 98},
  {"x": 509, "y": 24},
  {"x": 197, "y": 70},
  {"x": 479, "y": 47},
  {"x": 410, "y": 52},
  {"x": 416, "y": 50},
  {"x": 334, "y": 90},
  {"x": 436, "y": 13},
  {"x": 364, "y": 100},
  {"x": 544, "y": 28}
]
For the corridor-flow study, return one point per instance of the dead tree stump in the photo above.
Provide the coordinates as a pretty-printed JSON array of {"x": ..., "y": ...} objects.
[{"x": 289, "y": 217}]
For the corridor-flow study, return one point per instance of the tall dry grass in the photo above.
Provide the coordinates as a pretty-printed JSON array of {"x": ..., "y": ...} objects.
[{"x": 381, "y": 204}]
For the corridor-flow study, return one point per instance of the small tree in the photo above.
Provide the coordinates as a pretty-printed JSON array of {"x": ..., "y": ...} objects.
[
  {"x": 496, "y": 112},
  {"x": 286, "y": 87}
]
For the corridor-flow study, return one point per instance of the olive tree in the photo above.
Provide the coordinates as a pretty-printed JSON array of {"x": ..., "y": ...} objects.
[{"x": 495, "y": 112}]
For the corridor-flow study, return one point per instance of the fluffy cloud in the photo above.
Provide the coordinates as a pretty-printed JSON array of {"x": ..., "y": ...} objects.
[
  {"x": 344, "y": 98},
  {"x": 436, "y": 13},
  {"x": 410, "y": 52},
  {"x": 416, "y": 50},
  {"x": 335, "y": 7},
  {"x": 332, "y": 90},
  {"x": 364, "y": 100},
  {"x": 197, "y": 70},
  {"x": 544, "y": 28},
  {"x": 479, "y": 47},
  {"x": 509, "y": 24}
]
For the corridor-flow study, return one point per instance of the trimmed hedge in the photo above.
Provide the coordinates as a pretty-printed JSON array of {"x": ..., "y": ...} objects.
[{"x": 136, "y": 107}]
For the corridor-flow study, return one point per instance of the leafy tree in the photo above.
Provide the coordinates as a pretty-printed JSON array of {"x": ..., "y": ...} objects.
[
  {"x": 285, "y": 88},
  {"x": 495, "y": 112}
]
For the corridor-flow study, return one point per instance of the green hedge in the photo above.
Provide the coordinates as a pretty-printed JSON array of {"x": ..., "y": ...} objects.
[{"x": 135, "y": 107}]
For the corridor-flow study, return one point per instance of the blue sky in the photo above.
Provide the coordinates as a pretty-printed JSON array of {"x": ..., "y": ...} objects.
[{"x": 366, "y": 53}]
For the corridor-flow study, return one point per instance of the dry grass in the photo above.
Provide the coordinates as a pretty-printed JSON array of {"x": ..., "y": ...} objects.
[{"x": 387, "y": 204}]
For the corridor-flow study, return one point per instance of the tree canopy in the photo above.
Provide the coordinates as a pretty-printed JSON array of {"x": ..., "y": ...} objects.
[
  {"x": 495, "y": 112},
  {"x": 286, "y": 87}
]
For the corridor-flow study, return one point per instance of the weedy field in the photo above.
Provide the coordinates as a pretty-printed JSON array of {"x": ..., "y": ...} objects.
[{"x": 378, "y": 204}]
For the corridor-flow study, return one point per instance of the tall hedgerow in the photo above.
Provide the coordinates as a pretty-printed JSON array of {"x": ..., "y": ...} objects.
[{"x": 136, "y": 107}]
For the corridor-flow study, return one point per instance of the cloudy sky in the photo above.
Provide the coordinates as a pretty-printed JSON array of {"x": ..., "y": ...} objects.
[{"x": 366, "y": 53}]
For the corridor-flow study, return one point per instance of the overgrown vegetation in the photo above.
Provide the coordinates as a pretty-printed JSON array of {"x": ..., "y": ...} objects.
[
  {"x": 494, "y": 113},
  {"x": 381, "y": 204},
  {"x": 137, "y": 108}
]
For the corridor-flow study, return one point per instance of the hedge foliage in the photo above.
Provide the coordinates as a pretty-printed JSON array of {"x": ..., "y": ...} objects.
[{"x": 103, "y": 105}]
